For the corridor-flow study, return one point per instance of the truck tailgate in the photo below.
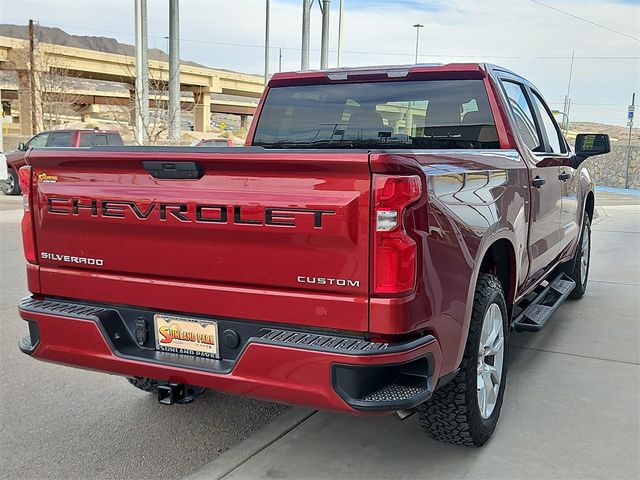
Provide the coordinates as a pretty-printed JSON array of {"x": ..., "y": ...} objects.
[{"x": 290, "y": 224}]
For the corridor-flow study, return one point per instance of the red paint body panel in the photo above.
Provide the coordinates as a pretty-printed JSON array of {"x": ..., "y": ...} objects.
[
  {"x": 288, "y": 375},
  {"x": 245, "y": 264}
]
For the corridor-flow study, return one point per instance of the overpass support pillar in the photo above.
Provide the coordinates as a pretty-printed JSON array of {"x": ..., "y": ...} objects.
[
  {"x": 244, "y": 121},
  {"x": 85, "y": 112},
  {"x": 202, "y": 110},
  {"x": 28, "y": 124}
]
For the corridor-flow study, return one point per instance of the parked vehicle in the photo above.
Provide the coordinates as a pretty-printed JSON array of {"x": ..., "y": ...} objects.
[
  {"x": 50, "y": 139},
  {"x": 369, "y": 251},
  {"x": 4, "y": 171},
  {"x": 215, "y": 142}
]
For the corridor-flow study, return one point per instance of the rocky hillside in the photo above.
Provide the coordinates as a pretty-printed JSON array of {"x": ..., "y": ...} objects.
[{"x": 101, "y": 44}]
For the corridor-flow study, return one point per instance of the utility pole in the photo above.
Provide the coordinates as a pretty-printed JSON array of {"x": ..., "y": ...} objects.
[
  {"x": 306, "y": 26},
  {"x": 32, "y": 79},
  {"x": 417, "y": 26},
  {"x": 266, "y": 44},
  {"x": 630, "y": 116},
  {"x": 174, "y": 69},
  {"x": 340, "y": 20},
  {"x": 324, "y": 46},
  {"x": 567, "y": 99},
  {"x": 142, "y": 73},
  {"x": 280, "y": 60}
]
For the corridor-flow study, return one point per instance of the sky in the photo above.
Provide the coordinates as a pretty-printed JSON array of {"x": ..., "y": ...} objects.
[{"x": 526, "y": 36}]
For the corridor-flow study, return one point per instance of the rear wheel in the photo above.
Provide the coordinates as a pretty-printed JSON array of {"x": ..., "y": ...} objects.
[
  {"x": 465, "y": 411},
  {"x": 11, "y": 185},
  {"x": 143, "y": 383}
]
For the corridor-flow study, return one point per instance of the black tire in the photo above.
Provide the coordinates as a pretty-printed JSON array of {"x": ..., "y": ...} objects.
[
  {"x": 452, "y": 414},
  {"x": 11, "y": 186},
  {"x": 574, "y": 267},
  {"x": 143, "y": 383}
]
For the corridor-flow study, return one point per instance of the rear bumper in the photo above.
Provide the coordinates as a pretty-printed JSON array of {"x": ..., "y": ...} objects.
[{"x": 299, "y": 367}]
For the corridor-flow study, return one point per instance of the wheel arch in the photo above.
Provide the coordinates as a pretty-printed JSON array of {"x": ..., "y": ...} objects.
[
  {"x": 499, "y": 259},
  {"x": 497, "y": 256},
  {"x": 589, "y": 205}
]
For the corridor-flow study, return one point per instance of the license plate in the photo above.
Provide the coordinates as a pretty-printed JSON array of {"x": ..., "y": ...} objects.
[{"x": 189, "y": 336}]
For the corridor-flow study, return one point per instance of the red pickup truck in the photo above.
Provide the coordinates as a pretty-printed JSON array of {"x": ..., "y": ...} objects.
[
  {"x": 368, "y": 251},
  {"x": 51, "y": 139}
]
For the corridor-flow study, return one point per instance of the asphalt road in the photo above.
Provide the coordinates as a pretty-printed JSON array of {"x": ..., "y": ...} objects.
[{"x": 65, "y": 423}]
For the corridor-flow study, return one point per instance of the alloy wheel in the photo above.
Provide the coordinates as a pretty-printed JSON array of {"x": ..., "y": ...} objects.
[{"x": 490, "y": 360}]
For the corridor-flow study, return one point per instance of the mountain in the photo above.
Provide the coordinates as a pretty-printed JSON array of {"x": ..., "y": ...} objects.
[{"x": 58, "y": 36}]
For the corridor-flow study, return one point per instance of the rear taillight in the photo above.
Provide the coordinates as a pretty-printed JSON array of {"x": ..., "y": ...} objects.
[
  {"x": 28, "y": 241},
  {"x": 394, "y": 251}
]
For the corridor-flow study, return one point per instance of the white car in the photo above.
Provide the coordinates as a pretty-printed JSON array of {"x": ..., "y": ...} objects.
[{"x": 4, "y": 172}]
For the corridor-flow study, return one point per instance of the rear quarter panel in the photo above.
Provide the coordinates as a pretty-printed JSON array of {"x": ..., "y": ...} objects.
[{"x": 474, "y": 200}]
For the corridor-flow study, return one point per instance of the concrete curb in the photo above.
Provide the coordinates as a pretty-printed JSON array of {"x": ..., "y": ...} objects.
[{"x": 249, "y": 447}]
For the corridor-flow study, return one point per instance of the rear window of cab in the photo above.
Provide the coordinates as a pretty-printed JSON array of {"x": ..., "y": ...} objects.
[{"x": 424, "y": 114}]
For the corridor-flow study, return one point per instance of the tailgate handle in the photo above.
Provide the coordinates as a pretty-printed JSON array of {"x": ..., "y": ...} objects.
[{"x": 174, "y": 170}]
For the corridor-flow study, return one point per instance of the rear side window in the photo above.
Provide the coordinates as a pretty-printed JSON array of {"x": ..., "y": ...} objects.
[
  {"x": 399, "y": 114},
  {"x": 60, "y": 139},
  {"x": 523, "y": 115},
  {"x": 92, "y": 139}
]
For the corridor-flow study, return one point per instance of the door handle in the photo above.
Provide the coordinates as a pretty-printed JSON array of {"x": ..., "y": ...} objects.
[
  {"x": 564, "y": 176},
  {"x": 538, "y": 182}
]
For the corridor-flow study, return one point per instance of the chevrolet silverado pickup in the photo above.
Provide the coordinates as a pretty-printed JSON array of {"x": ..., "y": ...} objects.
[{"x": 369, "y": 250}]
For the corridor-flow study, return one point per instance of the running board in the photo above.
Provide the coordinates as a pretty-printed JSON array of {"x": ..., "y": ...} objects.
[{"x": 543, "y": 304}]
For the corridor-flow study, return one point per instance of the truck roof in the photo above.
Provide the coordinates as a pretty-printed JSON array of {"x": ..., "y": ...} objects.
[{"x": 449, "y": 70}]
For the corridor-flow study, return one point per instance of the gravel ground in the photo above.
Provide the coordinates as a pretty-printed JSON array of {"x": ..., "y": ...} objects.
[{"x": 65, "y": 423}]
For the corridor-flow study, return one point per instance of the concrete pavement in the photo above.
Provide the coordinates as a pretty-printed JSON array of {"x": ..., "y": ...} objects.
[
  {"x": 64, "y": 423},
  {"x": 571, "y": 409}
]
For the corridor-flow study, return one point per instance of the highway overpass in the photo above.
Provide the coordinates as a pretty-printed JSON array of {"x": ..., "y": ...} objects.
[{"x": 203, "y": 82}]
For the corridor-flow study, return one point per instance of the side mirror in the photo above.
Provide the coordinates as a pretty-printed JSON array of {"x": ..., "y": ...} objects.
[
  {"x": 590, "y": 144},
  {"x": 22, "y": 147}
]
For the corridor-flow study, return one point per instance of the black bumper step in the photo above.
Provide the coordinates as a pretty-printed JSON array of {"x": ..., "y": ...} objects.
[
  {"x": 384, "y": 387},
  {"x": 26, "y": 346},
  {"x": 543, "y": 305}
]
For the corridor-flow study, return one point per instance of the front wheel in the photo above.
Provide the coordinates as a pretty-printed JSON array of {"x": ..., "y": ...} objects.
[
  {"x": 465, "y": 411},
  {"x": 580, "y": 263}
]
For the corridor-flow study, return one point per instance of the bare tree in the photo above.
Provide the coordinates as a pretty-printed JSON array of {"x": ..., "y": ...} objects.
[
  {"x": 50, "y": 84},
  {"x": 156, "y": 126}
]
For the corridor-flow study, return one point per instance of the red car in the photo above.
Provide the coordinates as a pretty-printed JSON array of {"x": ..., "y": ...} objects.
[
  {"x": 215, "y": 142},
  {"x": 50, "y": 139},
  {"x": 369, "y": 251}
]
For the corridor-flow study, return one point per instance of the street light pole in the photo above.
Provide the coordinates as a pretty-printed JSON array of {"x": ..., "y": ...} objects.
[
  {"x": 340, "y": 20},
  {"x": 141, "y": 97},
  {"x": 266, "y": 44},
  {"x": 324, "y": 46},
  {"x": 306, "y": 22},
  {"x": 417, "y": 26},
  {"x": 174, "y": 69}
]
